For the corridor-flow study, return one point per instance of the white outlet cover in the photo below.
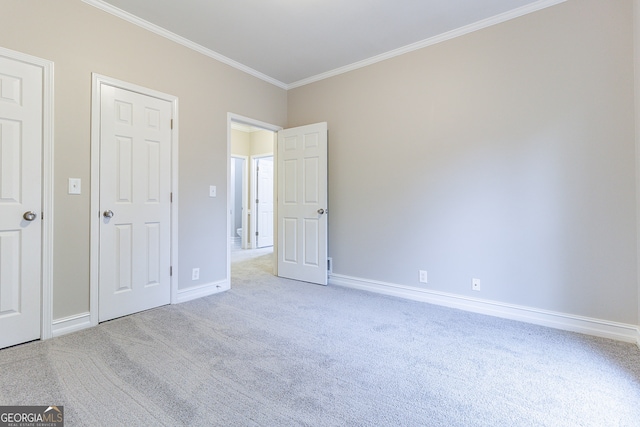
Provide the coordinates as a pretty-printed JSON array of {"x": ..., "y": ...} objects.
[
  {"x": 75, "y": 186},
  {"x": 195, "y": 274},
  {"x": 213, "y": 191},
  {"x": 475, "y": 284},
  {"x": 423, "y": 276}
]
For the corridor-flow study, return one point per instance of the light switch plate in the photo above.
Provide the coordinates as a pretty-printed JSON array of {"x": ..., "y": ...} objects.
[
  {"x": 75, "y": 186},
  {"x": 212, "y": 191}
]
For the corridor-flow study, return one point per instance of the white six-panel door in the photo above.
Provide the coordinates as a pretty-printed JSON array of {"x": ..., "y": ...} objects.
[
  {"x": 21, "y": 103},
  {"x": 302, "y": 203},
  {"x": 135, "y": 206},
  {"x": 264, "y": 205}
]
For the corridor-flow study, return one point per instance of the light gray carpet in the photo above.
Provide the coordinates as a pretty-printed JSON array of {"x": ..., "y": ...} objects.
[{"x": 274, "y": 352}]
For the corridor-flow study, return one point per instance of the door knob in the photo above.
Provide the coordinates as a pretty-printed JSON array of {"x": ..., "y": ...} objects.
[
  {"x": 29, "y": 215},
  {"x": 320, "y": 211},
  {"x": 108, "y": 213}
]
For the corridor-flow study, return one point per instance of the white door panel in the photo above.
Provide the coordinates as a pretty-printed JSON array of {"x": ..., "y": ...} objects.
[
  {"x": 135, "y": 182},
  {"x": 264, "y": 206},
  {"x": 21, "y": 101},
  {"x": 302, "y": 202}
]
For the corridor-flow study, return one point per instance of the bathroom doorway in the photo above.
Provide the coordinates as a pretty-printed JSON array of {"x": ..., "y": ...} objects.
[{"x": 251, "y": 222}]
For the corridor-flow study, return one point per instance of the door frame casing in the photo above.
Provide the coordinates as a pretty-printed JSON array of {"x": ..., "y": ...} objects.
[
  {"x": 232, "y": 117},
  {"x": 46, "y": 279},
  {"x": 245, "y": 196},
  {"x": 97, "y": 80}
]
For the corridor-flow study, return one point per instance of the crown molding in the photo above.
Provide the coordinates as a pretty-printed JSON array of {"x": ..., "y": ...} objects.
[
  {"x": 106, "y": 7},
  {"x": 476, "y": 26},
  {"x": 494, "y": 20}
]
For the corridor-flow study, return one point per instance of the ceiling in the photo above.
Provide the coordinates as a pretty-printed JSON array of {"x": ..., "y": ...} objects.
[{"x": 294, "y": 42}]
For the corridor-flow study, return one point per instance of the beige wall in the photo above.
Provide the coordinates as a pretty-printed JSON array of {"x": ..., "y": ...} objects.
[
  {"x": 258, "y": 143},
  {"x": 506, "y": 154},
  {"x": 81, "y": 39},
  {"x": 262, "y": 143},
  {"x": 240, "y": 143}
]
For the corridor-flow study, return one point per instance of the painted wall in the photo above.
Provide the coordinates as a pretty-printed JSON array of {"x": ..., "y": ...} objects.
[
  {"x": 511, "y": 151},
  {"x": 262, "y": 143},
  {"x": 81, "y": 39},
  {"x": 240, "y": 143}
]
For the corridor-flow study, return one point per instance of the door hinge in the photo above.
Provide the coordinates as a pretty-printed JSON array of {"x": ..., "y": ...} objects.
[
  {"x": 170, "y": 271},
  {"x": 257, "y": 201},
  {"x": 170, "y": 197},
  {"x": 256, "y": 233},
  {"x": 171, "y": 123},
  {"x": 41, "y": 215}
]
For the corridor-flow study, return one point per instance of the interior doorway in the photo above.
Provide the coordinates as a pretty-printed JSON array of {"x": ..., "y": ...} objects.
[
  {"x": 134, "y": 139},
  {"x": 300, "y": 226},
  {"x": 251, "y": 148}
]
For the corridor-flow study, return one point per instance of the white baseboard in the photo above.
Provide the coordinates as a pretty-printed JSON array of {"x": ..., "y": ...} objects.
[
  {"x": 567, "y": 322},
  {"x": 184, "y": 295},
  {"x": 66, "y": 325}
]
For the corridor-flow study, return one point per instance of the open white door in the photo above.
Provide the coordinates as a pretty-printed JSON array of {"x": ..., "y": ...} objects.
[
  {"x": 21, "y": 133},
  {"x": 302, "y": 203},
  {"x": 264, "y": 202}
]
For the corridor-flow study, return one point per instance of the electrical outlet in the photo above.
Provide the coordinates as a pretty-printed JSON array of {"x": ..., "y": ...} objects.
[
  {"x": 423, "y": 276},
  {"x": 475, "y": 284},
  {"x": 75, "y": 186},
  {"x": 195, "y": 274}
]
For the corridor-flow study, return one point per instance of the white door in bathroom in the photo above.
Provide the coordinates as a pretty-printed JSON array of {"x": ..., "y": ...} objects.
[{"x": 264, "y": 202}]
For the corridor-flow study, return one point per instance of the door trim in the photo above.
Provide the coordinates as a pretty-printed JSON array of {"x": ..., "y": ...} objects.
[
  {"x": 97, "y": 81},
  {"x": 231, "y": 117},
  {"x": 245, "y": 196},
  {"x": 46, "y": 281}
]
